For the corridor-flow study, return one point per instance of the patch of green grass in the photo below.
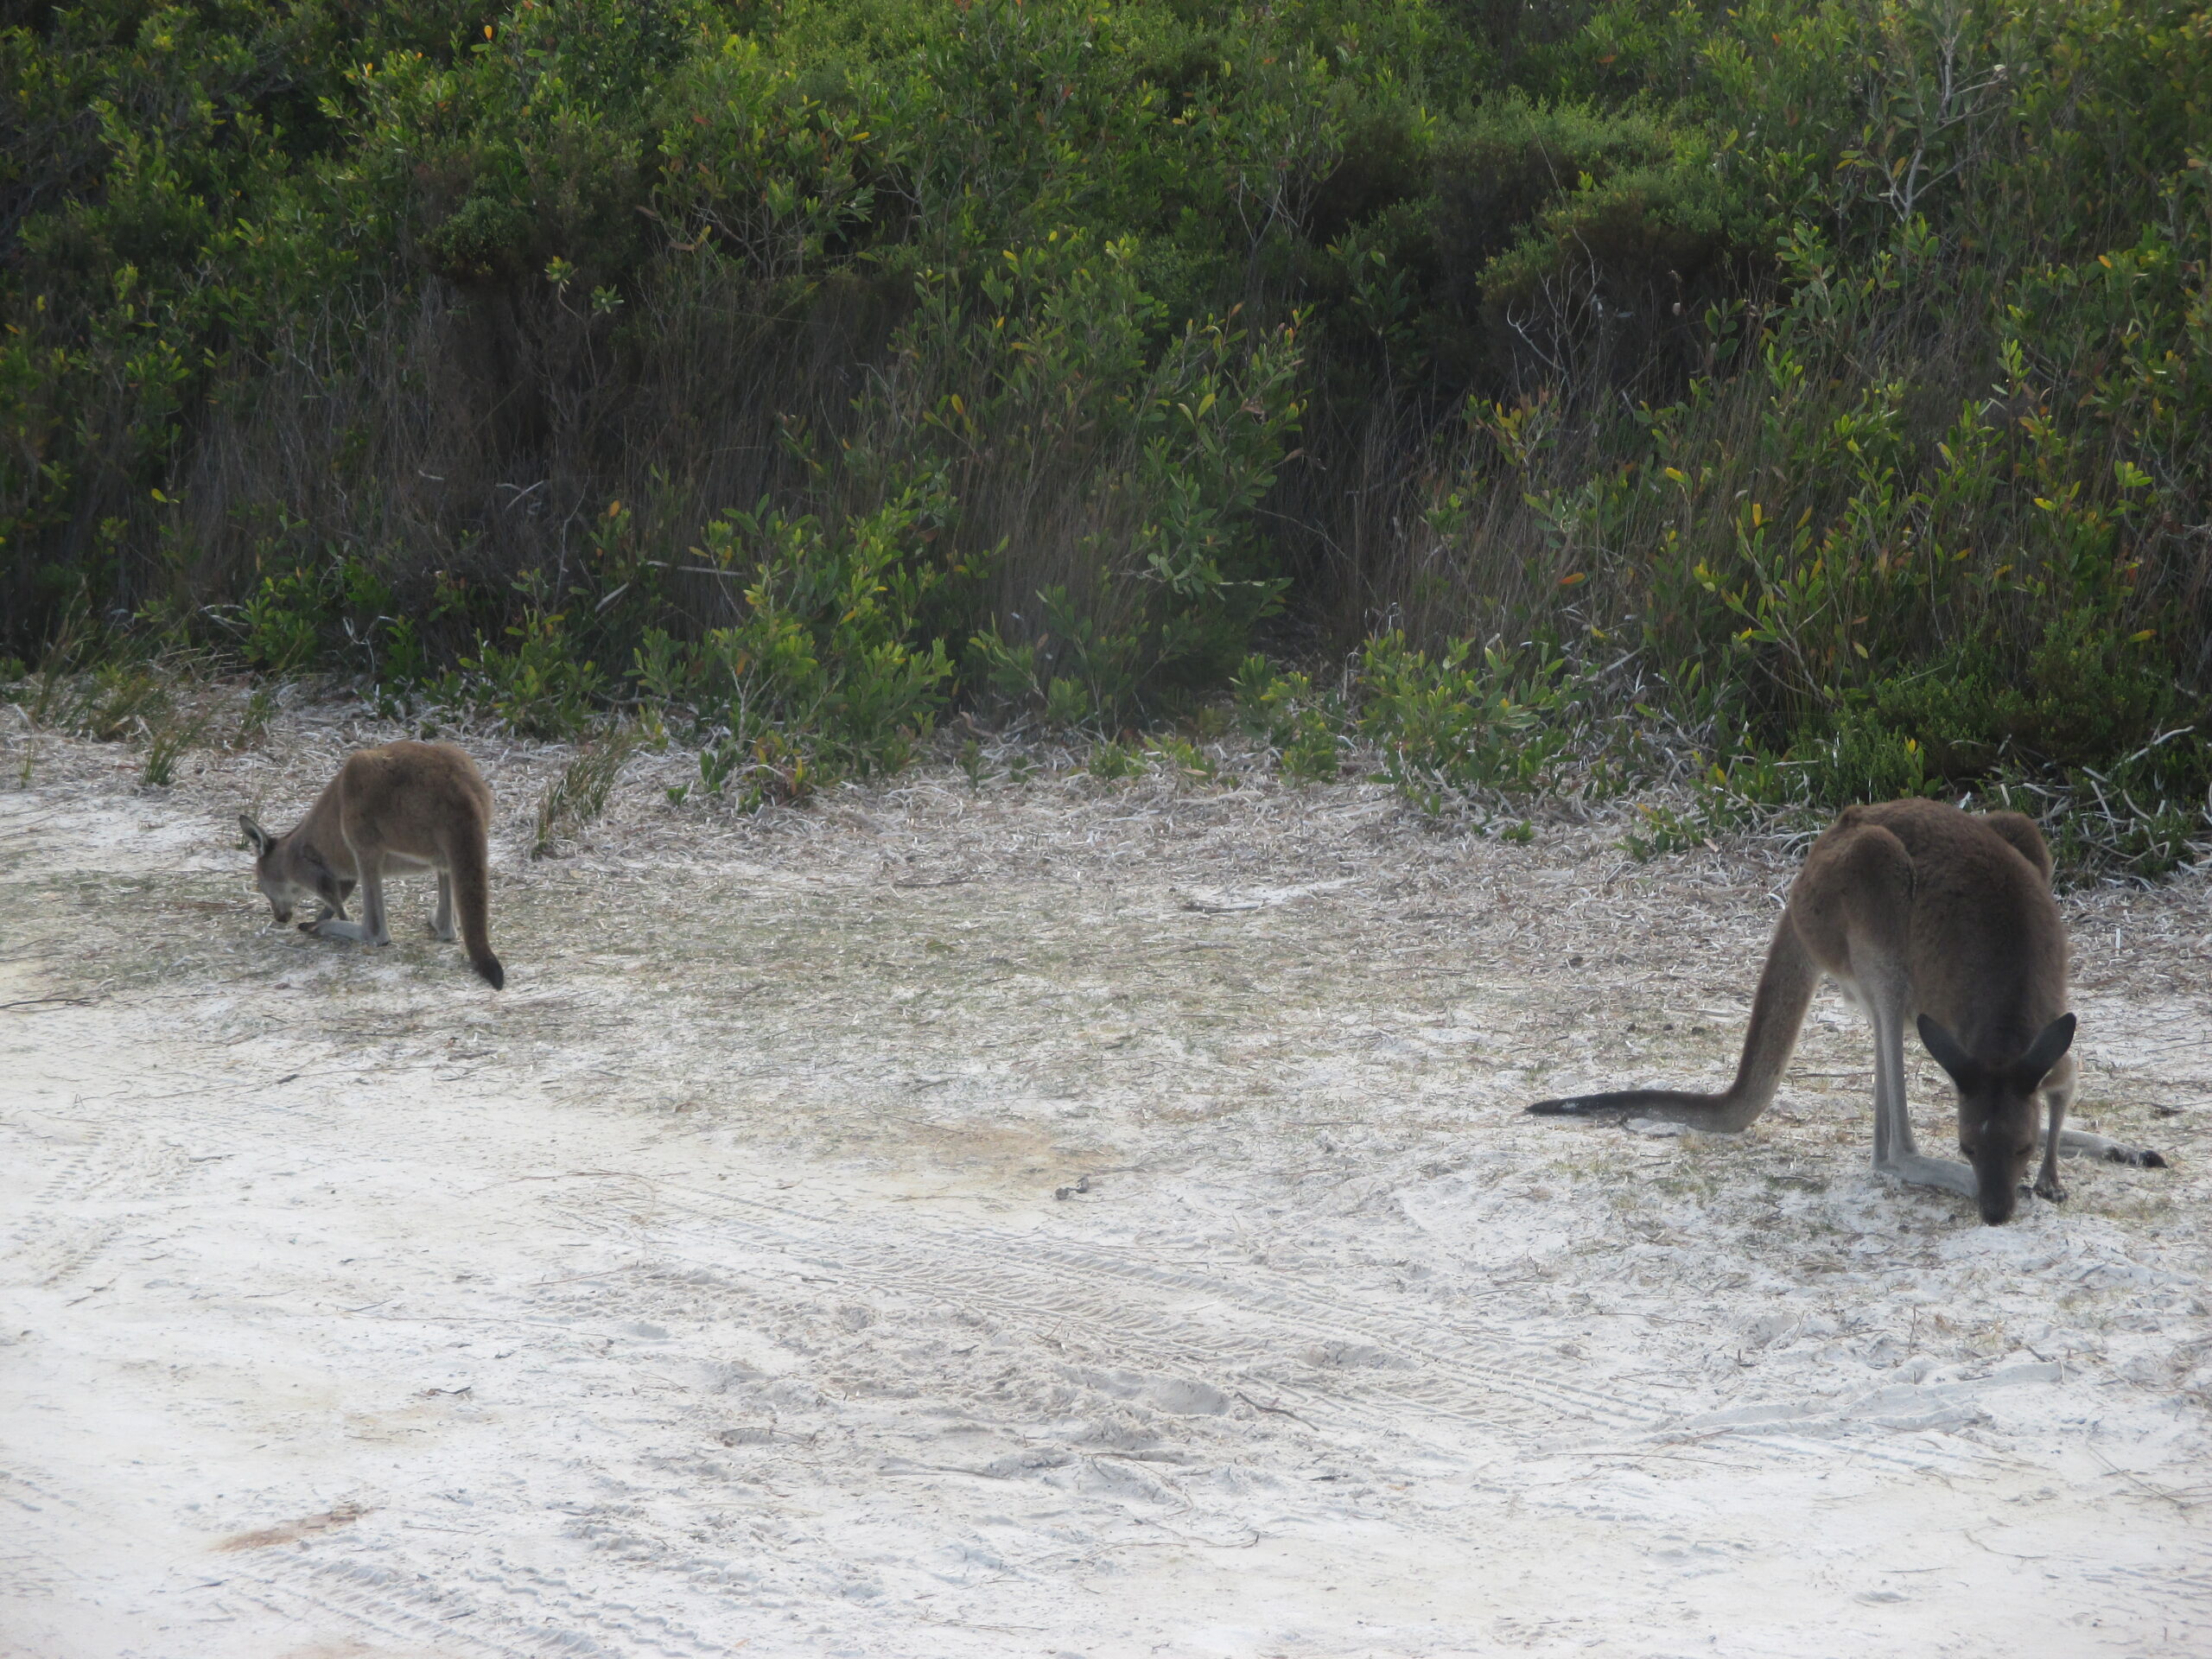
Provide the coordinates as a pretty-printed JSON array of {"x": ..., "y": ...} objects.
[{"x": 253, "y": 719}]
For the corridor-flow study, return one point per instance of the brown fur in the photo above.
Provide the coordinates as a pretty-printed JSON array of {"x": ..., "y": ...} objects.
[
  {"x": 405, "y": 807},
  {"x": 1925, "y": 914}
]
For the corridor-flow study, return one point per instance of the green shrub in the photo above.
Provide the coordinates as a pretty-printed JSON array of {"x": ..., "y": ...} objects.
[
  {"x": 1112, "y": 760},
  {"x": 1836, "y": 370},
  {"x": 1180, "y": 757},
  {"x": 1306, "y": 730},
  {"x": 824, "y": 641},
  {"x": 1463, "y": 727},
  {"x": 1314, "y": 753},
  {"x": 537, "y": 686}
]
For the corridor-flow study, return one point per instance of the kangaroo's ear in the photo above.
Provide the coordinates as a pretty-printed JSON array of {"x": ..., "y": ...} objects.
[
  {"x": 1965, "y": 1070},
  {"x": 254, "y": 834},
  {"x": 2032, "y": 1067}
]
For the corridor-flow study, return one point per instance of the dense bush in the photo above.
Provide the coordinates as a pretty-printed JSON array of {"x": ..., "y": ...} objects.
[{"x": 804, "y": 365}]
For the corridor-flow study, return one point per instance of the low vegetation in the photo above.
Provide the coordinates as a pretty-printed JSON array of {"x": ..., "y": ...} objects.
[{"x": 1809, "y": 403}]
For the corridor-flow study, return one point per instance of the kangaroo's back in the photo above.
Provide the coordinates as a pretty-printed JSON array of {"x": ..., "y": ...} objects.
[{"x": 418, "y": 800}]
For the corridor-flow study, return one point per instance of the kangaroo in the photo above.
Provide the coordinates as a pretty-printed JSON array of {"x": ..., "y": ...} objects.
[
  {"x": 1918, "y": 909},
  {"x": 396, "y": 810}
]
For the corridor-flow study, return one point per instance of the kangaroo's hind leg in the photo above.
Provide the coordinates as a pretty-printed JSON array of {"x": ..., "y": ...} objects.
[
  {"x": 442, "y": 924},
  {"x": 2060, "y": 1141},
  {"x": 1856, "y": 897},
  {"x": 2080, "y": 1143},
  {"x": 374, "y": 927}
]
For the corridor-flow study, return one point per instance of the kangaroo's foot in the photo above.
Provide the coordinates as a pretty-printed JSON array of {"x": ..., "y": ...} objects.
[
  {"x": 445, "y": 935},
  {"x": 330, "y": 928},
  {"x": 2050, "y": 1189},
  {"x": 2080, "y": 1143},
  {"x": 1922, "y": 1171}
]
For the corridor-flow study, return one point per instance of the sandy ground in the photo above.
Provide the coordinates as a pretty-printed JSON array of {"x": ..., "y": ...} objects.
[{"x": 1056, "y": 1218}]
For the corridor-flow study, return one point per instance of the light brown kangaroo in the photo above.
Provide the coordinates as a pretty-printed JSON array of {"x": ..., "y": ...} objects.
[
  {"x": 1916, "y": 908},
  {"x": 395, "y": 811}
]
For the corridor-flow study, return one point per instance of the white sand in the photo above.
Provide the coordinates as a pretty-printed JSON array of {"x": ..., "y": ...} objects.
[{"x": 706, "y": 1292}]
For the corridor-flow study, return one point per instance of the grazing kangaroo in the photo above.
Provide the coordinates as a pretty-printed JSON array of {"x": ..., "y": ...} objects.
[
  {"x": 1916, "y": 908},
  {"x": 395, "y": 811}
]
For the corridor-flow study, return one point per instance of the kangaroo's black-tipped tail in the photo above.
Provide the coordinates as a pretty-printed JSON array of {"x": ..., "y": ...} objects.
[
  {"x": 1727, "y": 1113},
  {"x": 471, "y": 893},
  {"x": 1626, "y": 1100}
]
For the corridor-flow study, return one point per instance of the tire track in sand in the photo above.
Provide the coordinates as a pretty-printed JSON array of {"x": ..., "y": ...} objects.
[{"x": 1235, "y": 1324}]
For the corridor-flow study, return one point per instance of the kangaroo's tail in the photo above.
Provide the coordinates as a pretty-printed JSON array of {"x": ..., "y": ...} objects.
[
  {"x": 1650, "y": 1103},
  {"x": 1786, "y": 987},
  {"x": 472, "y": 893}
]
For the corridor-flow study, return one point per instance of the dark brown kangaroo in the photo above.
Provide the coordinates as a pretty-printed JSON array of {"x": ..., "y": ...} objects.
[
  {"x": 1924, "y": 915},
  {"x": 396, "y": 810}
]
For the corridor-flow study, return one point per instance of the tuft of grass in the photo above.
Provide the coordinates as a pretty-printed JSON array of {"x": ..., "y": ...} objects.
[
  {"x": 253, "y": 722},
  {"x": 125, "y": 698},
  {"x": 579, "y": 795},
  {"x": 53, "y": 698},
  {"x": 168, "y": 737},
  {"x": 973, "y": 764}
]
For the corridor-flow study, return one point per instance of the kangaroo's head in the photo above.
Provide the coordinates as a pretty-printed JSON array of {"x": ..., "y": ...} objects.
[
  {"x": 276, "y": 872},
  {"x": 1997, "y": 1115}
]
